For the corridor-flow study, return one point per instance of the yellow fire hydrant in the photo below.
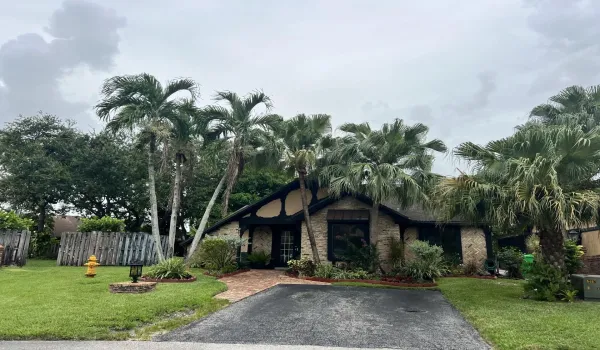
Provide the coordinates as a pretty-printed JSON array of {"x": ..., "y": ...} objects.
[{"x": 91, "y": 266}]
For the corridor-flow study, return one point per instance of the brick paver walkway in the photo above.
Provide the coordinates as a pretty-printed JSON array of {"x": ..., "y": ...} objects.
[{"x": 248, "y": 283}]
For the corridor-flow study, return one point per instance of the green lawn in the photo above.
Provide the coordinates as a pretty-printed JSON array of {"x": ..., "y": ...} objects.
[
  {"x": 43, "y": 301},
  {"x": 496, "y": 309}
]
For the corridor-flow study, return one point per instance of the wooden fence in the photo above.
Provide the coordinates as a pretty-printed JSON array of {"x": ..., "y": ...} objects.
[
  {"x": 110, "y": 248},
  {"x": 16, "y": 246}
]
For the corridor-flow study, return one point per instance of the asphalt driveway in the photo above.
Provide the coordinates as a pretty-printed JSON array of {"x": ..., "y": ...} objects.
[{"x": 336, "y": 316}]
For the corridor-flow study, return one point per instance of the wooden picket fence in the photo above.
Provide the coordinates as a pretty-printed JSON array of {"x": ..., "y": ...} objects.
[
  {"x": 110, "y": 248},
  {"x": 16, "y": 246}
]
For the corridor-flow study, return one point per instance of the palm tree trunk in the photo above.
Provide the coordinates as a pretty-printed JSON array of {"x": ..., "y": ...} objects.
[
  {"x": 374, "y": 233},
  {"x": 200, "y": 231},
  {"x": 232, "y": 175},
  {"x": 552, "y": 248},
  {"x": 175, "y": 208},
  {"x": 153, "y": 200},
  {"x": 309, "y": 229},
  {"x": 42, "y": 217}
]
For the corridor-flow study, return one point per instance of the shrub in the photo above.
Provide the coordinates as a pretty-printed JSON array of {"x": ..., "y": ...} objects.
[
  {"x": 103, "y": 224},
  {"x": 217, "y": 254},
  {"x": 396, "y": 253},
  {"x": 259, "y": 258},
  {"x": 511, "y": 259},
  {"x": 41, "y": 245},
  {"x": 573, "y": 254},
  {"x": 354, "y": 274},
  {"x": 472, "y": 268},
  {"x": 568, "y": 295},
  {"x": 173, "y": 268},
  {"x": 428, "y": 263},
  {"x": 325, "y": 271},
  {"x": 9, "y": 220},
  {"x": 365, "y": 257},
  {"x": 545, "y": 282},
  {"x": 302, "y": 267}
]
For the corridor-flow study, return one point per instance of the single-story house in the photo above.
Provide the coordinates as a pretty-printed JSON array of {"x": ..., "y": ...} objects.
[
  {"x": 275, "y": 225},
  {"x": 65, "y": 223}
]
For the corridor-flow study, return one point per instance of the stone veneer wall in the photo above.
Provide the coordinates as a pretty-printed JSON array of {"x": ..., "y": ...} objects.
[
  {"x": 387, "y": 229},
  {"x": 473, "y": 245},
  {"x": 262, "y": 239}
]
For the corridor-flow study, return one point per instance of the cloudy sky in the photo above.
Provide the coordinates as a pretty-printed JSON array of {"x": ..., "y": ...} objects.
[{"x": 468, "y": 69}]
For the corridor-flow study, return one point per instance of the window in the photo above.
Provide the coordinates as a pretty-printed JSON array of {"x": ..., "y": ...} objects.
[
  {"x": 343, "y": 234},
  {"x": 447, "y": 237}
]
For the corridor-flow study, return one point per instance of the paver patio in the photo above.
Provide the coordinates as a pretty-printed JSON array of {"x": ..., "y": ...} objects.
[{"x": 249, "y": 283}]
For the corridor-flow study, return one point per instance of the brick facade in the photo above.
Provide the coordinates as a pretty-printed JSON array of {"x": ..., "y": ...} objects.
[
  {"x": 591, "y": 265},
  {"x": 473, "y": 245},
  {"x": 262, "y": 239}
]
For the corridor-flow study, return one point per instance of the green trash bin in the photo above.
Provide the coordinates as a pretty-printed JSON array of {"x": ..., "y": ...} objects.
[{"x": 527, "y": 263}]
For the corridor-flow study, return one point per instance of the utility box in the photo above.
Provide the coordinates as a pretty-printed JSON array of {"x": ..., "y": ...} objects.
[{"x": 587, "y": 285}]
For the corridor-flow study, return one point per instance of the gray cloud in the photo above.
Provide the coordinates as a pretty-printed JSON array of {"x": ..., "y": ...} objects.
[
  {"x": 31, "y": 68},
  {"x": 568, "y": 33},
  {"x": 480, "y": 99}
]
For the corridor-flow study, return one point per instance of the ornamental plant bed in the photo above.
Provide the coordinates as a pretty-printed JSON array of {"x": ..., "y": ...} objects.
[
  {"x": 382, "y": 282},
  {"x": 226, "y": 274},
  {"x": 168, "y": 280}
]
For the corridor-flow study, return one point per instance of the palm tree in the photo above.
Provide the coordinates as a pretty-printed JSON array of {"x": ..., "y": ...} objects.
[
  {"x": 536, "y": 177},
  {"x": 393, "y": 163},
  {"x": 574, "y": 104},
  {"x": 248, "y": 131},
  {"x": 304, "y": 138},
  {"x": 141, "y": 101}
]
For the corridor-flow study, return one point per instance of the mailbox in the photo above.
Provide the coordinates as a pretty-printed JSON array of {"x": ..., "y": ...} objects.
[{"x": 587, "y": 285}]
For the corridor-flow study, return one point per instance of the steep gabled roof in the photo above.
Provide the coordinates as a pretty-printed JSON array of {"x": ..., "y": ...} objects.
[{"x": 414, "y": 214}]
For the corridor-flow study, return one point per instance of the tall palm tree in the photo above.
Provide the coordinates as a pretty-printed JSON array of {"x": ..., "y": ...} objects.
[
  {"x": 141, "y": 101},
  {"x": 304, "y": 138},
  {"x": 247, "y": 130},
  {"x": 538, "y": 177},
  {"x": 393, "y": 163},
  {"x": 574, "y": 104}
]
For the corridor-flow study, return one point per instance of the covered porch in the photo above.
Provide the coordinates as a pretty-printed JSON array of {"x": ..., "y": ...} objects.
[{"x": 282, "y": 239}]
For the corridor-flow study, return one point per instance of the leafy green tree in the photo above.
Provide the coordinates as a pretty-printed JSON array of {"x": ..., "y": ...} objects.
[
  {"x": 536, "y": 177},
  {"x": 247, "y": 130},
  {"x": 574, "y": 104},
  {"x": 304, "y": 138},
  {"x": 35, "y": 162},
  {"x": 255, "y": 184},
  {"x": 141, "y": 101},
  {"x": 393, "y": 163},
  {"x": 108, "y": 179}
]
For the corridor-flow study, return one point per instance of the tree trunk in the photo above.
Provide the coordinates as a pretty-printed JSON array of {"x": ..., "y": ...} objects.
[
  {"x": 309, "y": 229},
  {"x": 175, "y": 208},
  {"x": 200, "y": 231},
  {"x": 232, "y": 173},
  {"x": 552, "y": 248},
  {"x": 153, "y": 200},
  {"x": 41, "y": 218},
  {"x": 374, "y": 233}
]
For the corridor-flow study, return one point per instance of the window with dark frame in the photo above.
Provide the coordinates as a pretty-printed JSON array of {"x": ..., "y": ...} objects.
[{"x": 342, "y": 234}]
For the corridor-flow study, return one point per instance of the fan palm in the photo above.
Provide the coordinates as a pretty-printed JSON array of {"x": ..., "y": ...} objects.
[
  {"x": 574, "y": 104},
  {"x": 247, "y": 130},
  {"x": 304, "y": 138},
  {"x": 536, "y": 177},
  {"x": 141, "y": 101},
  {"x": 393, "y": 163}
]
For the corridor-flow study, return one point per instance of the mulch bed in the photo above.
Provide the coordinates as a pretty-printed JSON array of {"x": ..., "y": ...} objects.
[
  {"x": 226, "y": 274},
  {"x": 168, "y": 280},
  {"x": 382, "y": 281}
]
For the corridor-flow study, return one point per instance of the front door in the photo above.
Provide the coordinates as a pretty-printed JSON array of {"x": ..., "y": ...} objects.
[{"x": 286, "y": 245}]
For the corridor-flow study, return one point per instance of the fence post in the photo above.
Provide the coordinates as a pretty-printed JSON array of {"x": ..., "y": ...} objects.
[{"x": 1, "y": 254}]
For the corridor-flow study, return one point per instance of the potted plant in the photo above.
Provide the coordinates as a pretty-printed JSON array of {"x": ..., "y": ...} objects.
[{"x": 259, "y": 259}]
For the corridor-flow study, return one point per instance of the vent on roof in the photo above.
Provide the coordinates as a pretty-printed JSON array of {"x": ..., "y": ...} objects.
[{"x": 347, "y": 215}]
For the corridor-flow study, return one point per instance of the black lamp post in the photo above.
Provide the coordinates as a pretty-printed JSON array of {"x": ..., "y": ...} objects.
[{"x": 135, "y": 271}]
